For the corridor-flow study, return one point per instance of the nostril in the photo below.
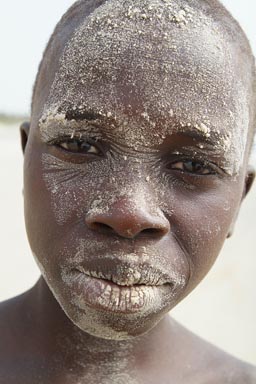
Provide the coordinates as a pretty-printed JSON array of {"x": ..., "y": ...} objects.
[
  {"x": 128, "y": 223},
  {"x": 101, "y": 227},
  {"x": 151, "y": 231}
]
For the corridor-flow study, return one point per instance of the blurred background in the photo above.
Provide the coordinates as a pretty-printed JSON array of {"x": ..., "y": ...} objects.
[{"x": 223, "y": 308}]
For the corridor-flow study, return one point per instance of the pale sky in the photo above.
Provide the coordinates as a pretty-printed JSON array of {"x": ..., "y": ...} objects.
[{"x": 25, "y": 27}]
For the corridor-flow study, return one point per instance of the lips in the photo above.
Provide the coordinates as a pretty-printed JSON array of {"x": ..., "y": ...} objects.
[
  {"x": 120, "y": 287},
  {"x": 128, "y": 275},
  {"x": 108, "y": 296}
]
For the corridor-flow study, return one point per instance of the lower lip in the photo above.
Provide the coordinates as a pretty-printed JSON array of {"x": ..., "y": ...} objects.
[{"x": 108, "y": 296}]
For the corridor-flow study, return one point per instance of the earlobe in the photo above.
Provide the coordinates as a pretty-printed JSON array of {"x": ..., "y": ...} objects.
[
  {"x": 249, "y": 180},
  {"x": 24, "y": 132}
]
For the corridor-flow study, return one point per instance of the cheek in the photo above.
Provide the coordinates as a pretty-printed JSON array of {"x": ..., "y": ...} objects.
[
  {"x": 57, "y": 196},
  {"x": 72, "y": 187},
  {"x": 201, "y": 221}
]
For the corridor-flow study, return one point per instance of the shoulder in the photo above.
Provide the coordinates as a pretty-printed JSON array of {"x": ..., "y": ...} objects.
[
  {"x": 8, "y": 319},
  {"x": 9, "y": 327},
  {"x": 14, "y": 359},
  {"x": 12, "y": 316},
  {"x": 219, "y": 367},
  {"x": 209, "y": 364},
  {"x": 228, "y": 369}
]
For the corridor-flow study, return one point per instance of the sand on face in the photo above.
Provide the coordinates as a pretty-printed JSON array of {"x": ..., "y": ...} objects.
[{"x": 219, "y": 309}]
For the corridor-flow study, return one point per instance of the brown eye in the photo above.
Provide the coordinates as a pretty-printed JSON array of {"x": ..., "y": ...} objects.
[
  {"x": 190, "y": 166},
  {"x": 79, "y": 146}
]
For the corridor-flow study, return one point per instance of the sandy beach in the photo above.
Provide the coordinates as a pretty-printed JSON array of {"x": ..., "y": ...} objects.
[{"x": 222, "y": 309}]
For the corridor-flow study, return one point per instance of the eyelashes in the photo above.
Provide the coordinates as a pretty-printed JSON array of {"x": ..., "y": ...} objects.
[
  {"x": 77, "y": 145},
  {"x": 193, "y": 167}
]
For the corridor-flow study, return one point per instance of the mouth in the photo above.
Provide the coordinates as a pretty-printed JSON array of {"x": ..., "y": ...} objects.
[
  {"x": 128, "y": 276},
  {"x": 104, "y": 294},
  {"x": 125, "y": 290}
]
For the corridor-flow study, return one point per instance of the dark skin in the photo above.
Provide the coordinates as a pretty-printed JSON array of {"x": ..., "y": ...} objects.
[{"x": 56, "y": 332}]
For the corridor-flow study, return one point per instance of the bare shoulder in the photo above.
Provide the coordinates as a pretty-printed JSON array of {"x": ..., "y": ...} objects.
[
  {"x": 16, "y": 356},
  {"x": 9, "y": 338},
  {"x": 228, "y": 369},
  {"x": 9, "y": 323},
  {"x": 232, "y": 370},
  {"x": 209, "y": 364}
]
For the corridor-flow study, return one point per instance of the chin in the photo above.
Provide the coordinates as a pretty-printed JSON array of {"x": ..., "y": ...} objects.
[
  {"x": 113, "y": 326},
  {"x": 112, "y": 322}
]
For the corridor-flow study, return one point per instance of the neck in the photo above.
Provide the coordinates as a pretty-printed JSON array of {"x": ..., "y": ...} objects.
[{"x": 77, "y": 351}]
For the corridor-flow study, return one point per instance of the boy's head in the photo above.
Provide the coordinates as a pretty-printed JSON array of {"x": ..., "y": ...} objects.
[{"x": 136, "y": 160}]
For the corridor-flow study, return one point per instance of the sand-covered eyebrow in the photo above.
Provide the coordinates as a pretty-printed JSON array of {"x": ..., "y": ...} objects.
[
  {"x": 205, "y": 137},
  {"x": 198, "y": 132},
  {"x": 80, "y": 115},
  {"x": 139, "y": 129}
]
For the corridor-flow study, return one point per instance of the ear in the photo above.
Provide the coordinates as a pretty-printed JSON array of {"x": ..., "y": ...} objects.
[
  {"x": 250, "y": 176},
  {"x": 24, "y": 132},
  {"x": 249, "y": 179}
]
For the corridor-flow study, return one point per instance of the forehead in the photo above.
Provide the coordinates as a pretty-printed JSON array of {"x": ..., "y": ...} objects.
[{"x": 156, "y": 59}]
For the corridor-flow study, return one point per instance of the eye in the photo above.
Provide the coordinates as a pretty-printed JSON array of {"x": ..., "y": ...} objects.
[
  {"x": 77, "y": 145},
  {"x": 194, "y": 167}
]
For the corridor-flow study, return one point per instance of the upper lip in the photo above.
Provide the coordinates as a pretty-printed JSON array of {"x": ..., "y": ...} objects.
[{"x": 127, "y": 274}]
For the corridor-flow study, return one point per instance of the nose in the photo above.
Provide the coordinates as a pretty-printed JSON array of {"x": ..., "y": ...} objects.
[{"x": 129, "y": 221}]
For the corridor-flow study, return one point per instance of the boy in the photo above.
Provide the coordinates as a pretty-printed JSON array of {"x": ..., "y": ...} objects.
[{"x": 136, "y": 163}]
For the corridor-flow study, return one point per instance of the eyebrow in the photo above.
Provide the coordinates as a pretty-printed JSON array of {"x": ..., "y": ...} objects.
[
  {"x": 185, "y": 131},
  {"x": 191, "y": 132},
  {"x": 80, "y": 115}
]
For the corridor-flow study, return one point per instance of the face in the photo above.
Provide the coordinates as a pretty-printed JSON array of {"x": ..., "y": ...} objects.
[{"x": 134, "y": 166}]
